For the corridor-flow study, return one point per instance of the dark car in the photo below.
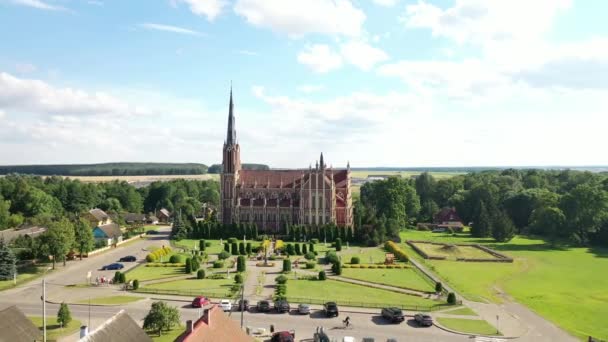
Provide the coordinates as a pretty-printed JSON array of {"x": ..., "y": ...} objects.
[
  {"x": 282, "y": 306},
  {"x": 128, "y": 258},
  {"x": 423, "y": 320},
  {"x": 114, "y": 266},
  {"x": 152, "y": 232},
  {"x": 200, "y": 301},
  {"x": 330, "y": 309},
  {"x": 243, "y": 305},
  {"x": 263, "y": 306},
  {"x": 283, "y": 336},
  {"x": 393, "y": 314}
]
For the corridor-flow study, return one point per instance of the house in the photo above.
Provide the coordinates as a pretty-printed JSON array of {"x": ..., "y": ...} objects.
[
  {"x": 107, "y": 233},
  {"x": 97, "y": 217},
  {"x": 447, "y": 219},
  {"x": 163, "y": 215},
  {"x": 120, "y": 328},
  {"x": 132, "y": 218},
  {"x": 214, "y": 326},
  {"x": 10, "y": 234},
  {"x": 16, "y": 327},
  {"x": 152, "y": 219}
]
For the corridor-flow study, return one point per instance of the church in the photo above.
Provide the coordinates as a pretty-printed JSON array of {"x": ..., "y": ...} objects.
[{"x": 272, "y": 199}]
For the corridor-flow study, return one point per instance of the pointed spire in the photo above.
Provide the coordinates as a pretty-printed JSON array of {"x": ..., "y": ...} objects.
[
  {"x": 321, "y": 161},
  {"x": 231, "y": 133},
  {"x": 348, "y": 165}
]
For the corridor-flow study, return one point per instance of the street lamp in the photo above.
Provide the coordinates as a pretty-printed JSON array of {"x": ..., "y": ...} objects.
[{"x": 44, "y": 304}]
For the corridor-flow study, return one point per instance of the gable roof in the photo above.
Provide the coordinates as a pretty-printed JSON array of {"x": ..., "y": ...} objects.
[
  {"x": 120, "y": 328},
  {"x": 110, "y": 229},
  {"x": 10, "y": 234},
  {"x": 164, "y": 212},
  {"x": 99, "y": 214},
  {"x": 16, "y": 327},
  {"x": 132, "y": 217},
  {"x": 215, "y": 326}
]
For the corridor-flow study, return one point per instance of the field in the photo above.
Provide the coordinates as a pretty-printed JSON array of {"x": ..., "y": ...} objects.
[
  {"x": 23, "y": 275},
  {"x": 367, "y": 255},
  {"x": 53, "y": 330},
  {"x": 451, "y": 253},
  {"x": 472, "y": 326},
  {"x": 404, "y": 174},
  {"x": 217, "y": 288},
  {"x": 405, "y": 278},
  {"x": 143, "y": 273},
  {"x": 554, "y": 282}
]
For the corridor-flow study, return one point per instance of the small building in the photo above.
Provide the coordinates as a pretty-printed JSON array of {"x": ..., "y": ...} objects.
[
  {"x": 132, "y": 218},
  {"x": 163, "y": 215},
  {"x": 447, "y": 219},
  {"x": 151, "y": 219},
  {"x": 32, "y": 231},
  {"x": 16, "y": 327},
  {"x": 97, "y": 217},
  {"x": 109, "y": 233},
  {"x": 120, "y": 328},
  {"x": 214, "y": 326}
]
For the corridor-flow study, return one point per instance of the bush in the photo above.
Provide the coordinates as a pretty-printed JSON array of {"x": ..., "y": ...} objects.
[
  {"x": 298, "y": 250},
  {"x": 248, "y": 248},
  {"x": 338, "y": 244},
  {"x": 235, "y": 248},
  {"x": 438, "y": 287},
  {"x": 272, "y": 257},
  {"x": 314, "y": 241},
  {"x": 331, "y": 257},
  {"x": 232, "y": 240},
  {"x": 311, "y": 247},
  {"x": 135, "y": 284},
  {"x": 395, "y": 249},
  {"x": 451, "y": 298},
  {"x": 355, "y": 260},
  {"x": 281, "y": 279},
  {"x": 202, "y": 245},
  {"x": 195, "y": 265},
  {"x": 200, "y": 274},
  {"x": 240, "y": 264},
  {"x": 242, "y": 248},
  {"x": 151, "y": 258},
  {"x": 227, "y": 247},
  {"x": 175, "y": 259},
  {"x": 310, "y": 256},
  {"x": 116, "y": 277},
  {"x": 286, "y": 265},
  {"x": 310, "y": 265},
  {"x": 304, "y": 249},
  {"x": 238, "y": 278},
  {"x": 188, "y": 267},
  {"x": 322, "y": 275},
  {"x": 337, "y": 268},
  {"x": 223, "y": 255},
  {"x": 289, "y": 249},
  {"x": 218, "y": 264}
]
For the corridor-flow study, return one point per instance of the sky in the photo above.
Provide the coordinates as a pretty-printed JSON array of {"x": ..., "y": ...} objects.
[{"x": 375, "y": 82}]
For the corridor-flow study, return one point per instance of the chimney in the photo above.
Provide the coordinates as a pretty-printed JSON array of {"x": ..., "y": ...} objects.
[
  {"x": 207, "y": 317},
  {"x": 84, "y": 331},
  {"x": 189, "y": 326}
]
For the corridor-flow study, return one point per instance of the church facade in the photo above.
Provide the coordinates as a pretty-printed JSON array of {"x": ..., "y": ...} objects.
[{"x": 272, "y": 199}]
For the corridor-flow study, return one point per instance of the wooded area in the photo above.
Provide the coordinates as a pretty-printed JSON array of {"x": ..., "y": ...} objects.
[{"x": 107, "y": 169}]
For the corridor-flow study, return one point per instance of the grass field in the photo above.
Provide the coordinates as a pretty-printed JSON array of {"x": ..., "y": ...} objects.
[
  {"x": 554, "y": 282},
  {"x": 406, "y": 278},
  {"x": 404, "y": 174},
  {"x": 471, "y": 326},
  {"x": 345, "y": 293},
  {"x": 111, "y": 300},
  {"x": 23, "y": 275},
  {"x": 167, "y": 336},
  {"x": 452, "y": 253},
  {"x": 194, "y": 284},
  {"x": 143, "y": 273},
  {"x": 215, "y": 247},
  {"x": 53, "y": 330},
  {"x": 367, "y": 255},
  {"x": 464, "y": 311}
]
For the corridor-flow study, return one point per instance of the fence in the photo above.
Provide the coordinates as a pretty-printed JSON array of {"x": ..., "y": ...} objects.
[
  {"x": 321, "y": 301},
  {"x": 192, "y": 293}
]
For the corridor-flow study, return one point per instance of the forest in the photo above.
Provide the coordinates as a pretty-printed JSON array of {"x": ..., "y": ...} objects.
[{"x": 107, "y": 169}]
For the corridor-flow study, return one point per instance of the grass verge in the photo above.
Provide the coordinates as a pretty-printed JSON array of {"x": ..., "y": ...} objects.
[
  {"x": 470, "y": 326},
  {"x": 53, "y": 330},
  {"x": 110, "y": 300},
  {"x": 464, "y": 311},
  {"x": 404, "y": 278}
]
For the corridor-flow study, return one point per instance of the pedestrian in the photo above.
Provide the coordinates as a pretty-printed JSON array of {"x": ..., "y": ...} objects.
[
  {"x": 97, "y": 281},
  {"x": 272, "y": 328}
]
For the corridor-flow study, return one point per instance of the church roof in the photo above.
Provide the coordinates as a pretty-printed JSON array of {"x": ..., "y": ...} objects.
[{"x": 285, "y": 178}]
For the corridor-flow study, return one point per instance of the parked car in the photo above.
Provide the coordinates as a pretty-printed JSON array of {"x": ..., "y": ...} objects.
[
  {"x": 243, "y": 305},
  {"x": 282, "y": 306},
  {"x": 283, "y": 336},
  {"x": 304, "y": 309},
  {"x": 225, "y": 305},
  {"x": 200, "y": 301},
  {"x": 423, "y": 320},
  {"x": 263, "y": 306},
  {"x": 393, "y": 314},
  {"x": 114, "y": 266},
  {"x": 128, "y": 258},
  {"x": 152, "y": 232},
  {"x": 330, "y": 309}
]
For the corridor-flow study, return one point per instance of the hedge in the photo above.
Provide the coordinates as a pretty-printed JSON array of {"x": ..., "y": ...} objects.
[
  {"x": 157, "y": 254},
  {"x": 395, "y": 249},
  {"x": 165, "y": 264}
]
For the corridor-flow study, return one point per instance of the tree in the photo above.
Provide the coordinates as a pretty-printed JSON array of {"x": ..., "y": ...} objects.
[
  {"x": 322, "y": 275},
  {"x": 242, "y": 248},
  {"x": 502, "y": 227},
  {"x": 161, "y": 317},
  {"x": 338, "y": 244},
  {"x": 298, "y": 250},
  {"x": 235, "y": 249},
  {"x": 58, "y": 240},
  {"x": 201, "y": 245},
  {"x": 481, "y": 227},
  {"x": 7, "y": 262},
  {"x": 178, "y": 230},
  {"x": 584, "y": 208},
  {"x": 550, "y": 222},
  {"x": 5, "y": 213},
  {"x": 64, "y": 317},
  {"x": 286, "y": 265},
  {"x": 83, "y": 236},
  {"x": 240, "y": 264},
  {"x": 188, "y": 266}
]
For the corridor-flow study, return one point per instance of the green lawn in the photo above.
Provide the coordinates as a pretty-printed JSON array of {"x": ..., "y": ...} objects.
[
  {"x": 23, "y": 275},
  {"x": 167, "y": 336},
  {"x": 554, "y": 282},
  {"x": 471, "y": 326},
  {"x": 351, "y": 294},
  {"x": 406, "y": 278},
  {"x": 367, "y": 255},
  {"x": 454, "y": 252},
  {"x": 215, "y": 247},
  {"x": 111, "y": 300},
  {"x": 54, "y": 330},
  {"x": 191, "y": 287},
  {"x": 464, "y": 311},
  {"x": 143, "y": 273}
]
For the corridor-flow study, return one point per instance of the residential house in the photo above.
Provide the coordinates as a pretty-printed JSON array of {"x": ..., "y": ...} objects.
[
  {"x": 16, "y": 327},
  {"x": 108, "y": 233},
  {"x": 163, "y": 215},
  {"x": 214, "y": 326},
  {"x": 97, "y": 217},
  {"x": 447, "y": 219},
  {"x": 132, "y": 218},
  {"x": 32, "y": 231},
  {"x": 152, "y": 219},
  {"x": 120, "y": 328}
]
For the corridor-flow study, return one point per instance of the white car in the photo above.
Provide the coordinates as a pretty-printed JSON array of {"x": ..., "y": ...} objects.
[{"x": 225, "y": 305}]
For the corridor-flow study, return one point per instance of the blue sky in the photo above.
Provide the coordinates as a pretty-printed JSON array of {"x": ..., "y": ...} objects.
[{"x": 376, "y": 82}]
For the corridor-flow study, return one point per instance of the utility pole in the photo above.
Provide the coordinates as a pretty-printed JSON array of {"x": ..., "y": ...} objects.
[
  {"x": 89, "y": 313},
  {"x": 242, "y": 303},
  {"x": 44, "y": 309}
]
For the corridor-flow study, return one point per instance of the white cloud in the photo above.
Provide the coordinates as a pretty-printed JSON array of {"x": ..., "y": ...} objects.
[
  {"x": 320, "y": 58},
  {"x": 2, "y": 114},
  {"x": 39, "y": 5},
  {"x": 297, "y": 18},
  {"x": 362, "y": 55},
  {"x": 311, "y": 88},
  {"x": 385, "y": 3},
  {"x": 170, "y": 28},
  {"x": 208, "y": 8},
  {"x": 25, "y": 68}
]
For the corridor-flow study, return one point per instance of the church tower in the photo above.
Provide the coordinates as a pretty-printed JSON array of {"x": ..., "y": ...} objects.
[{"x": 231, "y": 166}]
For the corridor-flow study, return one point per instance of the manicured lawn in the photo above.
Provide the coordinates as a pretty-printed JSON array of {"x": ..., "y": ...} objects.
[
  {"x": 471, "y": 326},
  {"x": 367, "y": 255},
  {"x": 23, "y": 275},
  {"x": 453, "y": 252},
  {"x": 406, "y": 278},
  {"x": 111, "y": 300},
  {"x": 192, "y": 287},
  {"x": 143, "y": 273},
  {"x": 54, "y": 330},
  {"x": 167, "y": 336},
  {"x": 351, "y": 294},
  {"x": 464, "y": 311},
  {"x": 554, "y": 282},
  {"x": 215, "y": 247}
]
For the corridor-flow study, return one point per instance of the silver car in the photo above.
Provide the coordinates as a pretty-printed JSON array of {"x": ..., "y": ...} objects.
[{"x": 304, "y": 309}]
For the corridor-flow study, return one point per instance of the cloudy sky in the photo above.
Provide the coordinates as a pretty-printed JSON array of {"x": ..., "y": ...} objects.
[{"x": 377, "y": 82}]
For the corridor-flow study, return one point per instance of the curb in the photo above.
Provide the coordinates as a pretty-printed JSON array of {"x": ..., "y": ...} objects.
[
  {"x": 471, "y": 334},
  {"x": 87, "y": 304}
]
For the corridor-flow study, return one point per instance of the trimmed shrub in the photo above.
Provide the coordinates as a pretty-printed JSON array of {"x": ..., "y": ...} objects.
[
  {"x": 248, "y": 248},
  {"x": 331, "y": 257},
  {"x": 235, "y": 248},
  {"x": 175, "y": 259},
  {"x": 151, "y": 257},
  {"x": 202, "y": 245},
  {"x": 311, "y": 247},
  {"x": 310, "y": 265},
  {"x": 207, "y": 243},
  {"x": 286, "y": 265},
  {"x": 223, "y": 255},
  {"x": 322, "y": 275},
  {"x": 240, "y": 264},
  {"x": 289, "y": 249},
  {"x": 451, "y": 298},
  {"x": 337, "y": 268},
  {"x": 355, "y": 260},
  {"x": 242, "y": 248},
  {"x": 238, "y": 278},
  {"x": 395, "y": 249},
  {"x": 314, "y": 241},
  {"x": 135, "y": 284},
  {"x": 218, "y": 264},
  {"x": 281, "y": 279},
  {"x": 310, "y": 256},
  {"x": 227, "y": 247},
  {"x": 116, "y": 277},
  {"x": 232, "y": 240},
  {"x": 338, "y": 244},
  {"x": 304, "y": 249},
  {"x": 195, "y": 264},
  {"x": 298, "y": 250},
  {"x": 438, "y": 287},
  {"x": 200, "y": 274},
  {"x": 188, "y": 267}
]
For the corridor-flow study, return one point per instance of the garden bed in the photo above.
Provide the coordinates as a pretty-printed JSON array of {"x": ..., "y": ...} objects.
[{"x": 457, "y": 252}]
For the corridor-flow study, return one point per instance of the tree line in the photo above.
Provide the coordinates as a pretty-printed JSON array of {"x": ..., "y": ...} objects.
[
  {"x": 108, "y": 169},
  {"x": 559, "y": 205},
  {"x": 217, "y": 168}
]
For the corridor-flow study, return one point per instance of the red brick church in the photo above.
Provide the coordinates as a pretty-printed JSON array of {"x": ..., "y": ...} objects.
[{"x": 274, "y": 198}]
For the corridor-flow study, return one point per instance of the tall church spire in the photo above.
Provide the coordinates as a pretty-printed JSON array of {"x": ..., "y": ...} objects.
[
  {"x": 321, "y": 161},
  {"x": 231, "y": 133}
]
